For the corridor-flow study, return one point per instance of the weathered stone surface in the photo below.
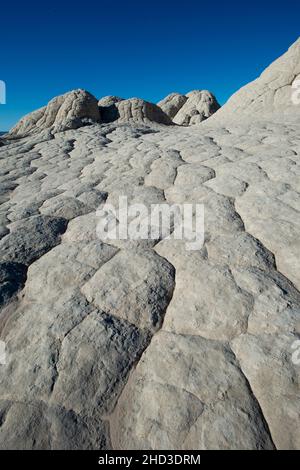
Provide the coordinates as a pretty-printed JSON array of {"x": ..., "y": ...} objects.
[
  {"x": 108, "y": 349},
  {"x": 136, "y": 287},
  {"x": 64, "y": 268},
  {"x": 273, "y": 377},
  {"x": 140, "y": 111},
  {"x": 144, "y": 343},
  {"x": 188, "y": 393},
  {"x": 108, "y": 101},
  {"x": 64, "y": 112},
  {"x": 12, "y": 279},
  {"x": 172, "y": 103},
  {"x": 31, "y": 239},
  {"x": 207, "y": 302},
  {"x": 65, "y": 207},
  {"x": 270, "y": 95},
  {"x": 36, "y": 426},
  {"x": 200, "y": 105},
  {"x": 276, "y": 224},
  {"x": 82, "y": 228}
]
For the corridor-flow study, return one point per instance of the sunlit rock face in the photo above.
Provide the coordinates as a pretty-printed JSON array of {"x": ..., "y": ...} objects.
[
  {"x": 133, "y": 110},
  {"x": 275, "y": 94},
  {"x": 143, "y": 344},
  {"x": 172, "y": 103},
  {"x": 189, "y": 109},
  {"x": 69, "y": 111}
]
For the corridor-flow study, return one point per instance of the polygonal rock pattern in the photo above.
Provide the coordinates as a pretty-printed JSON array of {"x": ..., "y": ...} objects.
[
  {"x": 37, "y": 426},
  {"x": 188, "y": 405},
  {"x": 144, "y": 343},
  {"x": 136, "y": 287},
  {"x": 207, "y": 302},
  {"x": 12, "y": 279},
  {"x": 108, "y": 349},
  {"x": 273, "y": 377},
  {"x": 31, "y": 238}
]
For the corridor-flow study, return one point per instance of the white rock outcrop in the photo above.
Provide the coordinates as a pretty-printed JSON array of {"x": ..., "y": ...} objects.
[
  {"x": 68, "y": 111},
  {"x": 172, "y": 103},
  {"x": 136, "y": 110},
  {"x": 143, "y": 344},
  {"x": 108, "y": 109},
  {"x": 132, "y": 110},
  {"x": 109, "y": 100},
  {"x": 275, "y": 94},
  {"x": 200, "y": 105}
]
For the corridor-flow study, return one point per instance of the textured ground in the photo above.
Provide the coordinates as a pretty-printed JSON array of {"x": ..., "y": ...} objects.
[
  {"x": 151, "y": 346},
  {"x": 145, "y": 344}
]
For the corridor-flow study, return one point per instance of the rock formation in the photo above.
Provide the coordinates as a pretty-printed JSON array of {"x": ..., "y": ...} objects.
[
  {"x": 200, "y": 105},
  {"x": 108, "y": 108},
  {"x": 189, "y": 109},
  {"x": 271, "y": 95},
  {"x": 78, "y": 108},
  {"x": 172, "y": 103},
  {"x": 133, "y": 110},
  {"x": 137, "y": 110},
  {"x": 68, "y": 111},
  {"x": 130, "y": 344}
]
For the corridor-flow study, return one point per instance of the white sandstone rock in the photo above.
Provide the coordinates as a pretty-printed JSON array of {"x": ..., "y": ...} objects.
[
  {"x": 86, "y": 365},
  {"x": 188, "y": 393},
  {"x": 172, "y": 103},
  {"x": 200, "y": 105},
  {"x": 64, "y": 112},
  {"x": 135, "y": 110},
  {"x": 273, "y": 95}
]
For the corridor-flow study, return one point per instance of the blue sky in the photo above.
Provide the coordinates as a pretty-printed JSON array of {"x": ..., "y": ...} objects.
[{"x": 137, "y": 48}]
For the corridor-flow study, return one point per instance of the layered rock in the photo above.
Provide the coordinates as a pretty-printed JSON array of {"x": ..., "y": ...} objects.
[
  {"x": 136, "y": 110},
  {"x": 172, "y": 103},
  {"x": 200, "y": 105},
  {"x": 68, "y": 111}
]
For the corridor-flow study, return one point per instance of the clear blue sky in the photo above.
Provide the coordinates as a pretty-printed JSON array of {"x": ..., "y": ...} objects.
[{"x": 137, "y": 48}]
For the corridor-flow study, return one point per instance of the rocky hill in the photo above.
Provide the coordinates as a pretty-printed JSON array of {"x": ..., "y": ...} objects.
[
  {"x": 142, "y": 344},
  {"x": 189, "y": 109},
  {"x": 79, "y": 108},
  {"x": 270, "y": 95}
]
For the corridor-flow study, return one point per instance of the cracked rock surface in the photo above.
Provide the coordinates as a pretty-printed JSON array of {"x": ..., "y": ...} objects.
[{"x": 144, "y": 344}]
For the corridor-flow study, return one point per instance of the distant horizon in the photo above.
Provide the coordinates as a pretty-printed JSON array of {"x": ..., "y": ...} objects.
[{"x": 131, "y": 50}]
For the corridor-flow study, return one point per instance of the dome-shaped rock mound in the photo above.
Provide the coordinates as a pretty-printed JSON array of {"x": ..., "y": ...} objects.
[
  {"x": 274, "y": 94},
  {"x": 200, "y": 105},
  {"x": 108, "y": 101},
  {"x": 172, "y": 103},
  {"x": 140, "y": 111},
  {"x": 68, "y": 111},
  {"x": 108, "y": 109}
]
